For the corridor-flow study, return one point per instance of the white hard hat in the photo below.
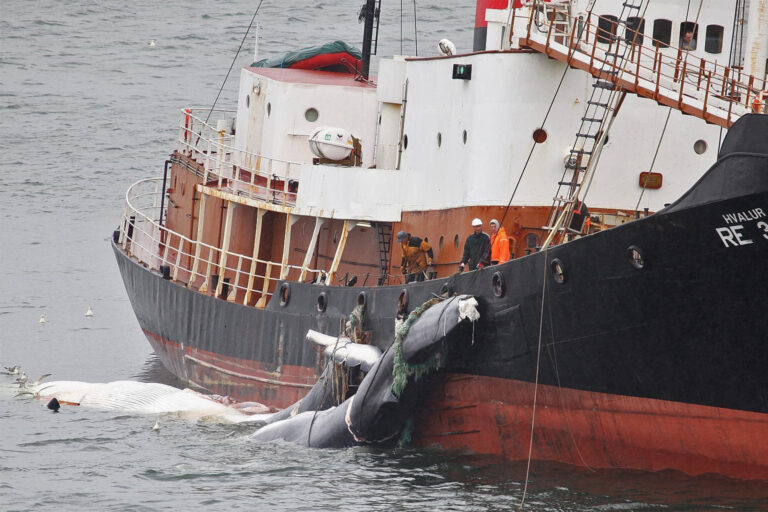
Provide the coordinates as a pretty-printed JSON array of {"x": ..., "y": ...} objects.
[
  {"x": 476, "y": 222},
  {"x": 494, "y": 221}
]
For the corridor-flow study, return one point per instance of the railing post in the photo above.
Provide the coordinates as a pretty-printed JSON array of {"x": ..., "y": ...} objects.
[
  {"x": 178, "y": 259},
  {"x": 198, "y": 240},
  {"x": 224, "y": 248},
  {"x": 265, "y": 288},
  {"x": 255, "y": 256},
  {"x": 311, "y": 248}
]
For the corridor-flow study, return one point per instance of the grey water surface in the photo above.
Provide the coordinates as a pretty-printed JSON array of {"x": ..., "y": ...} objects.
[{"x": 89, "y": 101}]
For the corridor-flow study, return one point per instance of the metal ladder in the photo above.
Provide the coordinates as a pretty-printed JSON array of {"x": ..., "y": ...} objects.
[
  {"x": 384, "y": 233},
  {"x": 601, "y": 109}
]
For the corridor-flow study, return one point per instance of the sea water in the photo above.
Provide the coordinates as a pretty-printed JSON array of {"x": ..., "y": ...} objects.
[{"x": 90, "y": 94}]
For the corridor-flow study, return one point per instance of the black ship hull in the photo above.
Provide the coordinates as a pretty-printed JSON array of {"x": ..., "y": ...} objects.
[{"x": 657, "y": 326}]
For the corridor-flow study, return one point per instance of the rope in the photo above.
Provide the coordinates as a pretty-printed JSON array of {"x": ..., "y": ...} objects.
[
  {"x": 233, "y": 61},
  {"x": 349, "y": 328},
  {"x": 536, "y": 382}
]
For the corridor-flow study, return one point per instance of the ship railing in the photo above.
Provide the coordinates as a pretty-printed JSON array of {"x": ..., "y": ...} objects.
[
  {"x": 652, "y": 68},
  {"x": 231, "y": 169},
  {"x": 226, "y": 274}
]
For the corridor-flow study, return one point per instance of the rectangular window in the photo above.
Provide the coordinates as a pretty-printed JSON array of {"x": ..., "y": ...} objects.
[
  {"x": 634, "y": 25},
  {"x": 714, "y": 40},
  {"x": 606, "y": 28},
  {"x": 689, "y": 34},
  {"x": 662, "y": 33}
]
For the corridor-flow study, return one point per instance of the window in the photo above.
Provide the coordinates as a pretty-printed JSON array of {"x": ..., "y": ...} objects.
[
  {"x": 662, "y": 33},
  {"x": 689, "y": 34},
  {"x": 606, "y": 28},
  {"x": 634, "y": 25},
  {"x": 714, "y": 40}
]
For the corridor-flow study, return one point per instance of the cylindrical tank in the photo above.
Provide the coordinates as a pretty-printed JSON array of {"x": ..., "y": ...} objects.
[{"x": 330, "y": 143}]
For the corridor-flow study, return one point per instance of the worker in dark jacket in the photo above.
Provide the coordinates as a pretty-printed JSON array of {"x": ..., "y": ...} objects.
[
  {"x": 417, "y": 256},
  {"x": 477, "y": 248}
]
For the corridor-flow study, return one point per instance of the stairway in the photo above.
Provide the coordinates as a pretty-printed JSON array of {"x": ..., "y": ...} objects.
[
  {"x": 567, "y": 213},
  {"x": 384, "y": 233},
  {"x": 649, "y": 68}
]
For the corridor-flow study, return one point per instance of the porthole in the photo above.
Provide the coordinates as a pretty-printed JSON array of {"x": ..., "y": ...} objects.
[
  {"x": 247, "y": 100},
  {"x": 405, "y": 141},
  {"x": 700, "y": 146},
  {"x": 269, "y": 109},
  {"x": 439, "y": 139},
  {"x": 456, "y": 241},
  {"x": 464, "y": 136},
  {"x": 322, "y": 302},
  {"x": 311, "y": 115},
  {"x": 285, "y": 294},
  {"x": 558, "y": 271},
  {"x": 635, "y": 256},
  {"x": 539, "y": 135},
  {"x": 497, "y": 284},
  {"x": 441, "y": 243}
]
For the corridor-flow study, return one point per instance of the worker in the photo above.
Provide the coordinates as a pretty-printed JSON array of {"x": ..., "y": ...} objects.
[
  {"x": 417, "y": 256},
  {"x": 499, "y": 243},
  {"x": 477, "y": 248}
]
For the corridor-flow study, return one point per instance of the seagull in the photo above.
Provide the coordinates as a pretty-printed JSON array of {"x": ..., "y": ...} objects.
[
  {"x": 12, "y": 370},
  {"x": 446, "y": 47},
  {"x": 156, "y": 428},
  {"x": 24, "y": 381},
  {"x": 151, "y": 42},
  {"x": 89, "y": 312},
  {"x": 42, "y": 319}
]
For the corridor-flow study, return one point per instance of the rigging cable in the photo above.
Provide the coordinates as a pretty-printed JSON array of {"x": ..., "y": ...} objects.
[
  {"x": 734, "y": 28},
  {"x": 401, "y": 27},
  {"x": 645, "y": 183},
  {"x": 543, "y": 122},
  {"x": 415, "y": 32},
  {"x": 669, "y": 111},
  {"x": 233, "y": 61}
]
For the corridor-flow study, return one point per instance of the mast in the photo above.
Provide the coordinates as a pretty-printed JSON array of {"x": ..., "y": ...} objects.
[
  {"x": 368, "y": 13},
  {"x": 756, "y": 54}
]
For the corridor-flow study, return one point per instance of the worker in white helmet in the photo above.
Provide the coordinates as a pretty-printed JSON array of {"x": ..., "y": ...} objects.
[{"x": 477, "y": 248}]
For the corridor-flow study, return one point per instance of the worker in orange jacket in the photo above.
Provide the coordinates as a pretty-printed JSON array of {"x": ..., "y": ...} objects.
[{"x": 499, "y": 243}]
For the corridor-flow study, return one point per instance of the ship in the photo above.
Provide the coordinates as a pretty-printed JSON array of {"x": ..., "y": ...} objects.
[{"x": 622, "y": 146}]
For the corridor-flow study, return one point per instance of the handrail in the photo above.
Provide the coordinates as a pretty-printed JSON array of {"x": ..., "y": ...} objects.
[
  {"x": 235, "y": 170},
  {"x": 144, "y": 237},
  {"x": 654, "y": 68}
]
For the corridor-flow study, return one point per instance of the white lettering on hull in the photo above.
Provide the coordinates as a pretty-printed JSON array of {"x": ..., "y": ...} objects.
[
  {"x": 745, "y": 216},
  {"x": 732, "y": 235}
]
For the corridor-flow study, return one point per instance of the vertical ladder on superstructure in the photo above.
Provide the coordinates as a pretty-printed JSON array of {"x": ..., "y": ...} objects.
[
  {"x": 601, "y": 108},
  {"x": 384, "y": 233}
]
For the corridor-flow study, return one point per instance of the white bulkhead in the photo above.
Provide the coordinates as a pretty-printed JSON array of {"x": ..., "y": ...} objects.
[{"x": 442, "y": 142}]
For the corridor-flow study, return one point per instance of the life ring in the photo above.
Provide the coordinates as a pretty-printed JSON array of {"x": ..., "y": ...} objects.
[{"x": 758, "y": 104}]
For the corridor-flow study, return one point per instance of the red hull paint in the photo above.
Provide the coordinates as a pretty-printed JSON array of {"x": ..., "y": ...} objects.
[
  {"x": 493, "y": 416},
  {"x": 597, "y": 430},
  {"x": 240, "y": 379}
]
